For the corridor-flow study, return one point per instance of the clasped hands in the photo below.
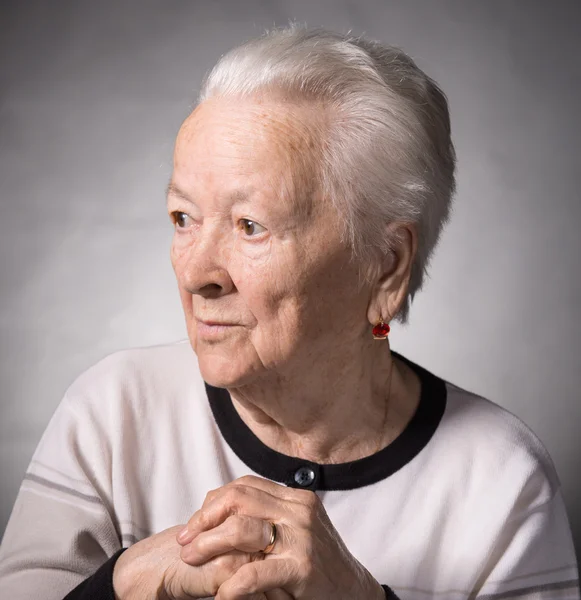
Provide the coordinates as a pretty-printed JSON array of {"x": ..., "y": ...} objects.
[{"x": 219, "y": 553}]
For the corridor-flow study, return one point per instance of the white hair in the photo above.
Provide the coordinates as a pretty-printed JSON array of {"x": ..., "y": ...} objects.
[{"x": 388, "y": 154}]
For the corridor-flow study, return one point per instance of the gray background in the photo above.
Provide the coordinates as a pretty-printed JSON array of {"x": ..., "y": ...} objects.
[{"x": 92, "y": 94}]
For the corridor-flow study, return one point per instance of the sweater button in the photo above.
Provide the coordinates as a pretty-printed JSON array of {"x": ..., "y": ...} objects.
[{"x": 304, "y": 476}]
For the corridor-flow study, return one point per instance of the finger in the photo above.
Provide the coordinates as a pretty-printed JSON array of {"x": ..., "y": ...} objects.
[
  {"x": 237, "y": 532},
  {"x": 287, "y": 496},
  {"x": 201, "y": 582},
  {"x": 275, "y": 489},
  {"x": 233, "y": 499},
  {"x": 181, "y": 537},
  {"x": 256, "y": 577}
]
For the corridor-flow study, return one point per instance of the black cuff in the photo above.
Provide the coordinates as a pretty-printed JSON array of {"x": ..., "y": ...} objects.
[
  {"x": 389, "y": 593},
  {"x": 99, "y": 586}
]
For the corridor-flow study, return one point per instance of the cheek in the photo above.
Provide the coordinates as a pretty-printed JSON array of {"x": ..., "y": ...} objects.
[
  {"x": 271, "y": 287},
  {"x": 261, "y": 286}
]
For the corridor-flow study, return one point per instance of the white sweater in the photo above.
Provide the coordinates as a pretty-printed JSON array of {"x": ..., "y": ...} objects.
[{"x": 465, "y": 503}]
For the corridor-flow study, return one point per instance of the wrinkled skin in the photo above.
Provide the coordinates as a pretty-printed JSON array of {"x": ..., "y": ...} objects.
[
  {"x": 152, "y": 569},
  {"x": 219, "y": 554},
  {"x": 309, "y": 559},
  {"x": 301, "y": 366}
]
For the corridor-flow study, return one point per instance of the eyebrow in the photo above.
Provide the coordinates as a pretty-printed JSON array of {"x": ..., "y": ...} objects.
[
  {"x": 238, "y": 196},
  {"x": 173, "y": 190}
]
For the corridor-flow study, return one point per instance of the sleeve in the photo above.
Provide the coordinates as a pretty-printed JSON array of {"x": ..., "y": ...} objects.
[
  {"x": 62, "y": 527},
  {"x": 100, "y": 585},
  {"x": 389, "y": 593},
  {"x": 534, "y": 556}
]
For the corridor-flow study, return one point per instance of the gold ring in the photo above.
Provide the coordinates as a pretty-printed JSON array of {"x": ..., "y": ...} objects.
[{"x": 272, "y": 539}]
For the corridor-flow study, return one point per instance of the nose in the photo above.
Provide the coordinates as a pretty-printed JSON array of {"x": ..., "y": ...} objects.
[{"x": 203, "y": 268}]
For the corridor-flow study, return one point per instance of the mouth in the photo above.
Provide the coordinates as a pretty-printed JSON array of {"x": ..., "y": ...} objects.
[
  {"x": 215, "y": 323},
  {"x": 213, "y": 329}
]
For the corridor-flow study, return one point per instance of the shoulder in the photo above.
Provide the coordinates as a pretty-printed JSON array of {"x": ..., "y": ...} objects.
[
  {"x": 136, "y": 379},
  {"x": 137, "y": 363},
  {"x": 125, "y": 412},
  {"x": 495, "y": 447}
]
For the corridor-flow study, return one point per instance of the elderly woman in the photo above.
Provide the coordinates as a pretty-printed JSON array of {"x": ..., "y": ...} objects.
[{"x": 286, "y": 451}]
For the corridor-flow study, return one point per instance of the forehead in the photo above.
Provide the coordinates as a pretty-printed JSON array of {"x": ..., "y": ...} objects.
[
  {"x": 255, "y": 143},
  {"x": 252, "y": 122}
]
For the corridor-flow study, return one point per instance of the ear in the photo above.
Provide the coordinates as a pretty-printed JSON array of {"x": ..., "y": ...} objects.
[{"x": 393, "y": 274}]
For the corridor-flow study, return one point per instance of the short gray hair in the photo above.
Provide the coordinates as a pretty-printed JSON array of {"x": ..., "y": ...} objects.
[{"x": 388, "y": 155}]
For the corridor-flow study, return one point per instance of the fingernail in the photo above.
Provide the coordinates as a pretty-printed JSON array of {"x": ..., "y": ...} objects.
[{"x": 183, "y": 534}]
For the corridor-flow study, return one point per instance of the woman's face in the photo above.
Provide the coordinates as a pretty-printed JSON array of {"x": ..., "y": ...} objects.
[{"x": 256, "y": 246}]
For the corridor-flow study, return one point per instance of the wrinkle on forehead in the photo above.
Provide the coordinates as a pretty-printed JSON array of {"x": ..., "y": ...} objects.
[{"x": 271, "y": 130}]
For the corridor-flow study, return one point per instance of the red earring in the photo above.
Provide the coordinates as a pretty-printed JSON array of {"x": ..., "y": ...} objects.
[{"x": 380, "y": 330}]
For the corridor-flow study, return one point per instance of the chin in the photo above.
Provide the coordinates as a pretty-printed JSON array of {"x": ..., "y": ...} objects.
[{"x": 223, "y": 369}]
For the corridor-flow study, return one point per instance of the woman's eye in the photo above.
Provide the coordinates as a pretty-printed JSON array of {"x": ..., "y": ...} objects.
[
  {"x": 249, "y": 227},
  {"x": 178, "y": 217}
]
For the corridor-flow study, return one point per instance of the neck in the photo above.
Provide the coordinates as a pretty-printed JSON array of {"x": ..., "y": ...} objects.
[{"x": 350, "y": 407}]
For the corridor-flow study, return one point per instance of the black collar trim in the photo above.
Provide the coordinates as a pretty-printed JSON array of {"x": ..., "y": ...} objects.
[{"x": 343, "y": 476}]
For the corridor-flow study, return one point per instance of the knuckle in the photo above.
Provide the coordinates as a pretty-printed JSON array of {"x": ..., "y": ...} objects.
[
  {"x": 210, "y": 495},
  {"x": 235, "y": 527},
  {"x": 202, "y": 518},
  {"x": 225, "y": 567},
  {"x": 232, "y": 495},
  {"x": 224, "y": 562},
  {"x": 245, "y": 479},
  {"x": 242, "y": 489},
  {"x": 248, "y": 578},
  {"x": 198, "y": 545}
]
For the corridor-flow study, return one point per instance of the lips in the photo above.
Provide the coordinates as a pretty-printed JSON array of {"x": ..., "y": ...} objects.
[
  {"x": 213, "y": 330},
  {"x": 214, "y": 322}
]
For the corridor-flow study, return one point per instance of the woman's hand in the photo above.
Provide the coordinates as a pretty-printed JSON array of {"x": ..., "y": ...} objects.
[
  {"x": 152, "y": 569},
  {"x": 309, "y": 559}
]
